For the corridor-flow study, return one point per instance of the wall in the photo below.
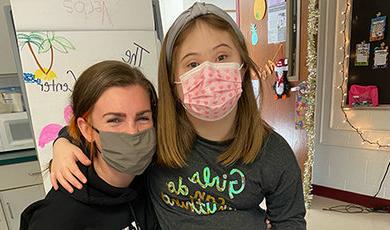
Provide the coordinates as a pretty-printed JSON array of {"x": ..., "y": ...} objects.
[
  {"x": 279, "y": 114},
  {"x": 341, "y": 160},
  {"x": 7, "y": 62},
  {"x": 171, "y": 9},
  {"x": 228, "y": 5},
  {"x": 8, "y": 73}
]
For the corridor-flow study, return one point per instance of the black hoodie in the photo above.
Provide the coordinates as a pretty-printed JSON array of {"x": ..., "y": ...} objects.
[{"x": 97, "y": 205}]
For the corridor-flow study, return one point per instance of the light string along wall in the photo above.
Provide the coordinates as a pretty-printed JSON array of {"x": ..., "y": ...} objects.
[{"x": 344, "y": 72}]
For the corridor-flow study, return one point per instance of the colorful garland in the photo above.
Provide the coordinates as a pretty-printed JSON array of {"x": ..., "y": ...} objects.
[{"x": 311, "y": 63}]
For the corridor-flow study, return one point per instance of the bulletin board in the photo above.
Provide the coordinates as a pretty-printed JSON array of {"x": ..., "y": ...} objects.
[
  {"x": 272, "y": 30},
  {"x": 363, "y": 12},
  {"x": 254, "y": 25}
]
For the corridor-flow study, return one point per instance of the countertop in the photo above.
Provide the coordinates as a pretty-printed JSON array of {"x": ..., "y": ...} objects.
[{"x": 20, "y": 156}]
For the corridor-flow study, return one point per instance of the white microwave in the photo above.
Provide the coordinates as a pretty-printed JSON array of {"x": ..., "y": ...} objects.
[{"x": 15, "y": 132}]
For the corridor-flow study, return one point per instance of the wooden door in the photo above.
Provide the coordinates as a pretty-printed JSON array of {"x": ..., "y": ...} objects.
[{"x": 280, "y": 114}]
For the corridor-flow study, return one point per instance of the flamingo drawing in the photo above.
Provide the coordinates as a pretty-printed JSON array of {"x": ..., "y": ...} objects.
[{"x": 50, "y": 132}]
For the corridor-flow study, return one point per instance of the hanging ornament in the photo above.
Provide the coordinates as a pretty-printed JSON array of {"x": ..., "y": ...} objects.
[
  {"x": 281, "y": 85},
  {"x": 259, "y": 9},
  {"x": 301, "y": 104},
  {"x": 255, "y": 38}
]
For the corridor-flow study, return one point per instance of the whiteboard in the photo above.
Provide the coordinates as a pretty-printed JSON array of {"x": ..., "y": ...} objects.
[
  {"x": 49, "y": 99},
  {"x": 74, "y": 47},
  {"x": 83, "y": 14}
]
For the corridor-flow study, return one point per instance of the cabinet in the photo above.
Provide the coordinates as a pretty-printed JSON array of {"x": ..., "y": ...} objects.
[
  {"x": 3, "y": 222},
  {"x": 20, "y": 185},
  {"x": 14, "y": 201}
]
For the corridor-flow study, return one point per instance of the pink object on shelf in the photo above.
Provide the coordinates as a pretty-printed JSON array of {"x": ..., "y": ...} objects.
[{"x": 359, "y": 95}]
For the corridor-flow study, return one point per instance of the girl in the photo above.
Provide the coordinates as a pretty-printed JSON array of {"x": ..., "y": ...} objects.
[
  {"x": 113, "y": 107},
  {"x": 216, "y": 158}
]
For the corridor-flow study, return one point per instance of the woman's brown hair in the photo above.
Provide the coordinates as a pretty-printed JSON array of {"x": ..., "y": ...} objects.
[
  {"x": 175, "y": 132},
  {"x": 93, "y": 82}
]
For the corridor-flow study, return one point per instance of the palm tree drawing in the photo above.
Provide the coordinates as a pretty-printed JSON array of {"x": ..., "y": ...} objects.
[{"x": 44, "y": 41}]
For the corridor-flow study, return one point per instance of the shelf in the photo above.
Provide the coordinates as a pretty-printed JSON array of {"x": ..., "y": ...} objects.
[
  {"x": 380, "y": 107},
  {"x": 15, "y": 157},
  {"x": 12, "y": 115}
]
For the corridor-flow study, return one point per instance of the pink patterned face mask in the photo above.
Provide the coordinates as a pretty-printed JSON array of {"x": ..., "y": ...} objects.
[{"x": 211, "y": 90}]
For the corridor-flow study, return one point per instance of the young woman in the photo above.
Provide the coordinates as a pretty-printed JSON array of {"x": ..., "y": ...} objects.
[
  {"x": 113, "y": 106},
  {"x": 216, "y": 158}
]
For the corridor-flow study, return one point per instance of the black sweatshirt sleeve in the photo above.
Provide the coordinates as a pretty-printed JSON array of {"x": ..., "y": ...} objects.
[
  {"x": 283, "y": 186},
  {"x": 143, "y": 206},
  {"x": 50, "y": 213},
  {"x": 63, "y": 134}
]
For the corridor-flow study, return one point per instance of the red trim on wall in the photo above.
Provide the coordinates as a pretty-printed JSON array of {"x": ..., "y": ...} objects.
[{"x": 350, "y": 197}]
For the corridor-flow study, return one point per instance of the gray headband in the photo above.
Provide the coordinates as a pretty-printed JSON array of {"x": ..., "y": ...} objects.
[{"x": 196, "y": 10}]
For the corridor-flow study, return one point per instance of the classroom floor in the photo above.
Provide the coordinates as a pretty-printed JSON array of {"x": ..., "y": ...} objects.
[{"x": 318, "y": 219}]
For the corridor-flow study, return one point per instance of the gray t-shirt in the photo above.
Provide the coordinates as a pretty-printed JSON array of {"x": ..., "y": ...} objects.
[{"x": 207, "y": 195}]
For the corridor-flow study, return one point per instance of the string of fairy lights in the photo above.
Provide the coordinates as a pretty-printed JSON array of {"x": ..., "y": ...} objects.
[{"x": 344, "y": 72}]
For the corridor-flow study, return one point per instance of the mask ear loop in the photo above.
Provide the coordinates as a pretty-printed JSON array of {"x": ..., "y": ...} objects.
[
  {"x": 243, "y": 67},
  {"x": 176, "y": 96},
  {"x": 85, "y": 117},
  {"x": 92, "y": 144},
  {"x": 95, "y": 129}
]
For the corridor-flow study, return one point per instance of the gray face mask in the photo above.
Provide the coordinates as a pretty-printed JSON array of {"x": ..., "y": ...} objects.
[{"x": 128, "y": 153}]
